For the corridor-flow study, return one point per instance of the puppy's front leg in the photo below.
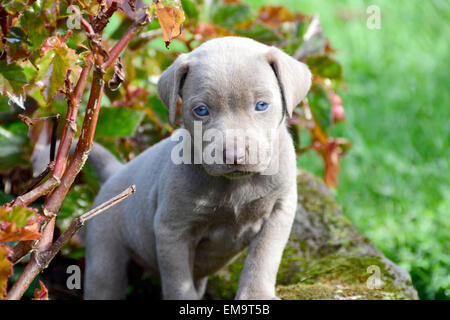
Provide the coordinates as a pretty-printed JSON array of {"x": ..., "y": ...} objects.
[
  {"x": 175, "y": 260},
  {"x": 258, "y": 278}
]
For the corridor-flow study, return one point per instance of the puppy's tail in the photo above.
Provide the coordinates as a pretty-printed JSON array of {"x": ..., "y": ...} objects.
[{"x": 102, "y": 160}]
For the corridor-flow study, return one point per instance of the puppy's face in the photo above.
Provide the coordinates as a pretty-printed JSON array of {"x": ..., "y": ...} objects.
[
  {"x": 235, "y": 94},
  {"x": 238, "y": 106}
]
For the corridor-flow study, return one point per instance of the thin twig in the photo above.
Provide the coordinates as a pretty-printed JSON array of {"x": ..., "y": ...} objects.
[
  {"x": 20, "y": 250},
  {"x": 80, "y": 221},
  {"x": 39, "y": 191},
  {"x": 41, "y": 258},
  {"x": 35, "y": 181},
  {"x": 54, "y": 138}
]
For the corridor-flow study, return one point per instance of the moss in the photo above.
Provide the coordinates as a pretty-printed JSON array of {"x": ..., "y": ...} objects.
[
  {"x": 338, "y": 277},
  {"x": 224, "y": 284},
  {"x": 305, "y": 292},
  {"x": 331, "y": 277},
  {"x": 333, "y": 291},
  {"x": 349, "y": 269},
  {"x": 288, "y": 266}
]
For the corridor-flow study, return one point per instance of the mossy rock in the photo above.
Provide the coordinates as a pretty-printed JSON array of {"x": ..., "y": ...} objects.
[{"x": 326, "y": 257}]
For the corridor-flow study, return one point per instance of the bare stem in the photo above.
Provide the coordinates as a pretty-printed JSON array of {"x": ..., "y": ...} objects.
[{"x": 42, "y": 257}]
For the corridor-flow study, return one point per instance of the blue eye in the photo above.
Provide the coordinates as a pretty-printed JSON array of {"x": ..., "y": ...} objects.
[
  {"x": 201, "y": 111},
  {"x": 261, "y": 106}
]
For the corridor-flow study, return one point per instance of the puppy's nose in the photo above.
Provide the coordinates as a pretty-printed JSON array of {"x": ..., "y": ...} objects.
[{"x": 236, "y": 156}]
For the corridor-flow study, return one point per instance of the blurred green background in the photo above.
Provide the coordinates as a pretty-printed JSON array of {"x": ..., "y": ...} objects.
[{"x": 394, "y": 183}]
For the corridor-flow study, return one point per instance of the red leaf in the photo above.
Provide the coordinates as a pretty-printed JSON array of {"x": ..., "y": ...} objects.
[
  {"x": 42, "y": 293},
  {"x": 10, "y": 232},
  {"x": 19, "y": 223}
]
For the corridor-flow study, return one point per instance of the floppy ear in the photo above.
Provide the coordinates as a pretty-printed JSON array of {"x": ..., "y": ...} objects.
[
  {"x": 294, "y": 78},
  {"x": 170, "y": 84}
]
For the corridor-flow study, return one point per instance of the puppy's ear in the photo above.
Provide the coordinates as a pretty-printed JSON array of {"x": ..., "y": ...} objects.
[
  {"x": 170, "y": 84},
  {"x": 294, "y": 78}
]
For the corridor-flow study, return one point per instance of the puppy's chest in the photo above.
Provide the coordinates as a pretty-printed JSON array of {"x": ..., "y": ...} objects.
[{"x": 230, "y": 226}]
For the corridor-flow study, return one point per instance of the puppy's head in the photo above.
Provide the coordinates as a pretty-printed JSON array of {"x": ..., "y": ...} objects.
[{"x": 236, "y": 92}]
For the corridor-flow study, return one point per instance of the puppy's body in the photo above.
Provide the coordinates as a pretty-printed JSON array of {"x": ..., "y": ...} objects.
[{"x": 187, "y": 221}]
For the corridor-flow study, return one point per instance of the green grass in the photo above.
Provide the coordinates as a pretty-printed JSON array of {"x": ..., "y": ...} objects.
[{"x": 394, "y": 183}]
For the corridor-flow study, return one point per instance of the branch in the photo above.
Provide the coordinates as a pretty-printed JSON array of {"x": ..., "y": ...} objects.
[
  {"x": 126, "y": 38},
  {"x": 41, "y": 258},
  {"x": 35, "y": 181},
  {"x": 80, "y": 221},
  {"x": 54, "y": 200},
  {"x": 85, "y": 142},
  {"x": 70, "y": 127},
  {"x": 102, "y": 18},
  {"x": 69, "y": 131},
  {"x": 20, "y": 250},
  {"x": 39, "y": 191}
]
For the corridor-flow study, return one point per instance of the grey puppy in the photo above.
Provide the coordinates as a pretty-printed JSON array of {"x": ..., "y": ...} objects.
[{"x": 186, "y": 221}]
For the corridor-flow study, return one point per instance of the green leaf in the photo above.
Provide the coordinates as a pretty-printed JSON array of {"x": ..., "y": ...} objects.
[
  {"x": 156, "y": 105},
  {"x": 52, "y": 71},
  {"x": 14, "y": 75},
  {"x": 325, "y": 67},
  {"x": 15, "y": 35},
  {"x": 14, "y": 6},
  {"x": 77, "y": 201},
  {"x": 35, "y": 25},
  {"x": 117, "y": 122},
  {"x": 16, "y": 45},
  {"x": 230, "y": 15},
  {"x": 320, "y": 106},
  {"x": 191, "y": 11}
]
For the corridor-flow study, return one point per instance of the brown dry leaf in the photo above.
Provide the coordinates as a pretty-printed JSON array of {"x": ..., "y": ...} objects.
[
  {"x": 331, "y": 156},
  {"x": 91, "y": 7},
  {"x": 207, "y": 31},
  {"x": 170, "y": 18},
  {"x": 275, "y": 15},
  {"x": 118, "y": 77},
  {"x": 6, "y": 269}
]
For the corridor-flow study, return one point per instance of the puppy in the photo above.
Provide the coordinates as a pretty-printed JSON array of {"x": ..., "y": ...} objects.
[{"x": 191, "y": 217}]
